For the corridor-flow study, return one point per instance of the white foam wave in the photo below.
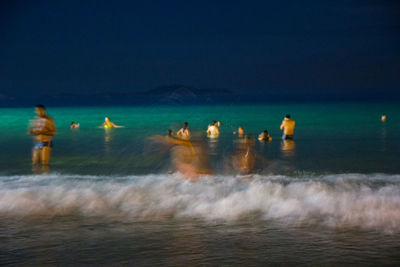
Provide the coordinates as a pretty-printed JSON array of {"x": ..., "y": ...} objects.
[{"x": 342, "y": 200}]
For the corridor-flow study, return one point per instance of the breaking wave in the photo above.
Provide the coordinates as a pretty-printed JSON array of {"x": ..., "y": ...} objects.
[{"x": 340, "y": 200}]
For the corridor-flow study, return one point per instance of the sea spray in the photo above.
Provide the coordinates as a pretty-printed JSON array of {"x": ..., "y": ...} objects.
[{"x": 339, "y": 201}]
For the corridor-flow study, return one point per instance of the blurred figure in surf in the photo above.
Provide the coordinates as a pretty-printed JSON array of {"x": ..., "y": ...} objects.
[
  {"x": 244, "y": 156},
  {"x": 184, "y": 132},
  {"x": 189, "y": 158}
]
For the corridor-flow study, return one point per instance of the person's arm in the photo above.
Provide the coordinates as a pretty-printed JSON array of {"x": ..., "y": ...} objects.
[
  {"x": 282, "y": 125},
  {"x": 30, "y": 129},
  {"x": 117, "y": 126}
]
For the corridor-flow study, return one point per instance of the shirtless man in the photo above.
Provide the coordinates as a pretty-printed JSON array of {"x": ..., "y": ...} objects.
[
  {"x": 288, "y": 128},
  {"x": 43, "y": 129},
  {"x": 184, "y": 132},
  {"x": 213, "y": 131}
]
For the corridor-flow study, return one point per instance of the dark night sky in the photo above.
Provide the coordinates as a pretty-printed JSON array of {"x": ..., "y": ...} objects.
[{"x": 259, "y": 46}]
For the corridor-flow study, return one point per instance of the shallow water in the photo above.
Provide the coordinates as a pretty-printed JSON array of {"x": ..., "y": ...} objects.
[{"x": 332, "y": 197}]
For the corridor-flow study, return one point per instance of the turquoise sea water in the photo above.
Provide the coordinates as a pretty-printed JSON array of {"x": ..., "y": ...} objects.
[
  {"x": 330, "y": 197},
  {"x": 329, "y": 138}
]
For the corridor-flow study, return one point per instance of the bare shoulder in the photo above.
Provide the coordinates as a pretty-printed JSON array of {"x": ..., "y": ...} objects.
[
  {"x": 50, "y": 122},
  {"x": 50, "y": 119}
]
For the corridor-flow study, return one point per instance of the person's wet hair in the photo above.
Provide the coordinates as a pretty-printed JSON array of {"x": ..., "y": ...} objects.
[
  {"x": 287, "y": 116},
  {"x": 186, "y": 124},
  {"x": 266, "y": 132}
]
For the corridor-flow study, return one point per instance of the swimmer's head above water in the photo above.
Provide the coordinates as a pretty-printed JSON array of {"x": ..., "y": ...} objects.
[
  {"x": 240, "y": 131},
  {"x": 40, "y": 110},
  {"x": 74, "y": 125}
]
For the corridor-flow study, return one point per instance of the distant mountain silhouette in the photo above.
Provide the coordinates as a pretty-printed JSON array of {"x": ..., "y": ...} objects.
[
  {"x": 168, "y": 94},
  {"x": 178, "y": 94},
  {"x": 185, "y": 94}
]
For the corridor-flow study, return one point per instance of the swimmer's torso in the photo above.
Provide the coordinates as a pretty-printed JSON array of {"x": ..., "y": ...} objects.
[
  {"x": 184, "y": 134},
  {"x": 43, "y": 129},
  {"x": 108, "y": 124}
]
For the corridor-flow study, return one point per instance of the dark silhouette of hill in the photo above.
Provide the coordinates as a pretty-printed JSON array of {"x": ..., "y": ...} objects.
[
  {"x": 169, "y": 94},
  {"x": 174, "y": 94},
  {"x": 178, "y": 94}
]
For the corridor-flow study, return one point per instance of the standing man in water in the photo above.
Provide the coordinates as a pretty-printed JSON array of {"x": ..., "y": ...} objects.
[
  {"x": 288, "y": 128},
  {"x": 184, "y": 132},
  {"x": 43, "y": 129}
]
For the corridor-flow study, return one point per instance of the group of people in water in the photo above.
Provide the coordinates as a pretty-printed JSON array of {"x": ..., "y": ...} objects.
[
  {"x": 213, "y": 131},
  {"x": 187, "y": 153},
  {"x": 107, "y": 124},
  {"x": 190, "y": 154}
]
